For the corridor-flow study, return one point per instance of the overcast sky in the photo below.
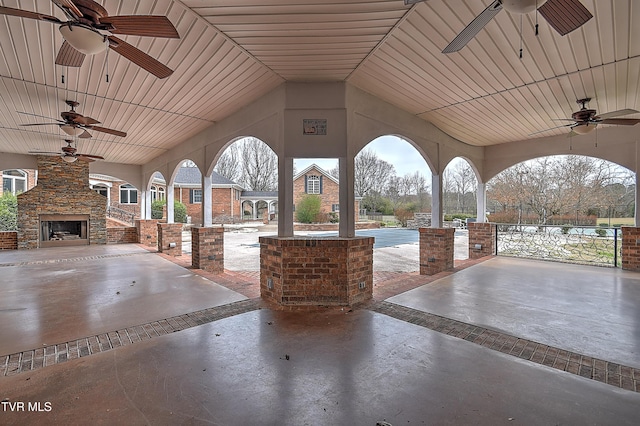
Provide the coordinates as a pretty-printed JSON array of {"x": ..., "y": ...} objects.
[{"x": 398, "y": 152}]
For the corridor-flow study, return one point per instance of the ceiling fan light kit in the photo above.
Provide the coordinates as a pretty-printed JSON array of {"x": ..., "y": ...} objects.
[
  {"x": 69, "y": 158},
  {"x": 84, "y": 40}
]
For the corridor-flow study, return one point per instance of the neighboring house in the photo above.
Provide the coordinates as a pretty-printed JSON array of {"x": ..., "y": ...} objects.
[
  {"x": 315, "y": 180},
  {"x": 17, "y": 181}
]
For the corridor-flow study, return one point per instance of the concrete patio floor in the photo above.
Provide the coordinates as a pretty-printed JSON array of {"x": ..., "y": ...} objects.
[{"x": 80, "y": 338}]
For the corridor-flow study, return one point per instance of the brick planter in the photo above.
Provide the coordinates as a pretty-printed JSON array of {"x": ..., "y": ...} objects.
[
  {"x": 316, "y": 271},
  {"x": 436, "y": 250},
  {"x": 170, "y": 238},
  {"x": 482, "y": 239},
  {"x": 207, "y": 249}
]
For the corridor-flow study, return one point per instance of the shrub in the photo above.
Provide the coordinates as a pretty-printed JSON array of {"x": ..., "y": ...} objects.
[
  {"x": 308, "y": 209},
  {"x": 601, "y": 232},
  {"x": 8, "y": 212},
  {"x": 157, "y": 209},
  {"x": 566, "y": 229},
  {"x": 179, "y": 212}
]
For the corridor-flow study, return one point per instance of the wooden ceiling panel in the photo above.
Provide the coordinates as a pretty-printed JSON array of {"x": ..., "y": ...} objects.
[{"x": 229, "y": 54}]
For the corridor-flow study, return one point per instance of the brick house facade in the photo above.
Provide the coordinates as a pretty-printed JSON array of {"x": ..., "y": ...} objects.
[
  {"x": 17, "y": 180},
  {"x": 315, "y": 180}
]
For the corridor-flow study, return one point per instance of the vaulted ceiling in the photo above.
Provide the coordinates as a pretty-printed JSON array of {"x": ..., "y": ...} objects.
[{"x": 233, "y": 52}]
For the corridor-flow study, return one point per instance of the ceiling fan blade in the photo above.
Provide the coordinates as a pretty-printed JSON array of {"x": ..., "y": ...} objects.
[
  {"x": 44, "y": 153},
  {"x": 141, "y": 25},
  {"x": 620, "y": 121},
  {"x": 69, "y": 8},
  {"x": 85, "y": 121},
  {"x": 70, "y": 57},
  {"x": 88, "y": 158},
  {"x": 85, "y": 135},
  {"x": 139, "y": 58},
  {"x": 26, "y": 14},
  {"x": 565, "y": 15},
  {"x": 110, "y": 131},
  {"x": 474, "y": 27},
  {"x": 552, "y": 128},
  {"x": 41, "y": 116},
  {"x": 40, "y": 124},
  {"x": 618, "y": 113}
]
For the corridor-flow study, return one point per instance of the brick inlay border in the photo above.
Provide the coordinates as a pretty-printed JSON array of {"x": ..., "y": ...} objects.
[
  {"x": 34, "y": 359},
  {"x": 611, "y": 373},
  {"x": 72, "y": 259}
]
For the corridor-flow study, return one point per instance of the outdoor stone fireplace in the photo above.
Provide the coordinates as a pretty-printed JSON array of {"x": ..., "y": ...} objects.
[{"x": 61, "y": 210}]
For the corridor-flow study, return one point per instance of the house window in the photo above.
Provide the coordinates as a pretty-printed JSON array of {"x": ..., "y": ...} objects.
[
  {"x": 195, "y": 196},
  {"x": 335, "y": 207},
  {"x": 14, "y": 181},
  {"x": 157, "y": 193},
  {"x": 128, "y": 194},
  {"x": 313, "y": 184},
  {"x": 102, "y": 190}
]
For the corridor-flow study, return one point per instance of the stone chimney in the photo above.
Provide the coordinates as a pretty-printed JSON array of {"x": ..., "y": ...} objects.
[{"x": 61, "y": 195}]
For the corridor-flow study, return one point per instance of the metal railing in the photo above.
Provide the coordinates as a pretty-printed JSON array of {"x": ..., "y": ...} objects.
[
  {"x": 120, "y": 214},
  {"x": 572, "y": 244}
]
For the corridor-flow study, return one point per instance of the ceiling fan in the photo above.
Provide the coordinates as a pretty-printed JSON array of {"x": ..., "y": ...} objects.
[
  {"x": 586, "y": 120},
  {"x": 563, "y": 15},
  {"x": 69, "y": 153},
  {"x": 89, "y": 30},
  {"x": 75, "y": 124}
]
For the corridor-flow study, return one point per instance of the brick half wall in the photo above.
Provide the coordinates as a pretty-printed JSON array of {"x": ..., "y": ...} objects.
[
  {"x": 436, "y": 250},
  {"x": 298, "y": 271},
  {"x": 8, "y": 240},
  {"x": 482, "y": 239}
]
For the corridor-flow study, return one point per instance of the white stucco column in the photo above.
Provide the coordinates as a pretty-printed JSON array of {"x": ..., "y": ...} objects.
[
  {"x": 255, "y": 209},
  {"x": 170, "y": 200},
  {"x": 207, "y": 195},
  {"x": 285, "y": 196},
  {"x": 481, "y": 203},
  {"x": 347, "y": 198},
  {"x": 436, "y": 201},
  {"x": 146, "y": 205}
]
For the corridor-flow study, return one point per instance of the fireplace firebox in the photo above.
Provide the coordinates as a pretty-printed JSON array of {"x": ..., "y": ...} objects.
[{"x": 63, "y": 230}]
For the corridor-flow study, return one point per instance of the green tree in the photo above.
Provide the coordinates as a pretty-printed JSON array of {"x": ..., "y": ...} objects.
[
  {"x": 308, "y": 209},
  {"x": 8, "y": 212}
]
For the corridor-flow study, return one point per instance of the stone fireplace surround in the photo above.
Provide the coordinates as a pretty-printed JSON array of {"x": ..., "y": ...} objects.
[{"x": 62, "y": 194}]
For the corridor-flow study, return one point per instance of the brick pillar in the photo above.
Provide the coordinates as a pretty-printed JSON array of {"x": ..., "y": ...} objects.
[
  {"x": 630, "y": 248},
  {"x": 482, "y": 239},
  {"x": 170, "y": 238},
  {"x": 147, "y": 232},
  {"x": 9, "y": 240},
  {"x": 207, "y": 248},
  {"x": 297, "y": 271},
  {"x": 436, "y": 250}
]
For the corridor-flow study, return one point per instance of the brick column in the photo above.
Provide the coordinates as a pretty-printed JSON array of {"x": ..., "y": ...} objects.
[
  {"x": 207, "y": 248},
  {"x": 297, "y": 271},
  {"x": 147, "y": 232},
  {"x": 170, "y": 234},
  {"x": 482, "y": 239},
  {"x": 436, "y": 250},
  {"x": 630, "y": 248}
]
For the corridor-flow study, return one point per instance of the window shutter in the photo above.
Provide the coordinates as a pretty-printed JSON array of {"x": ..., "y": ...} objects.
[
  {"x": 306, "y": 191},
  {"x": 321, "y": 183},
  {"x": 191, "y": 196}
]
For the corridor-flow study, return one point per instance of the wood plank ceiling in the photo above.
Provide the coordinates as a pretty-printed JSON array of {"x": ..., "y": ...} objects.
[{"x": 232, "y": 52}]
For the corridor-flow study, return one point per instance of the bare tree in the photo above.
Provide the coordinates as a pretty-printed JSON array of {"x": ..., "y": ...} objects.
[
  {"x": 260, "y": 166},
  {"x": 228, "y": 164},
  {"x": 459, "y": 188},
  {"x": 371, "y": 173},
  {"x": 251, "y": 163}
]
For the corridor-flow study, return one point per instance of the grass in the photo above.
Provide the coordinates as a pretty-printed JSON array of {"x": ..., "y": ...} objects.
[{"x": 625, "y": 221}]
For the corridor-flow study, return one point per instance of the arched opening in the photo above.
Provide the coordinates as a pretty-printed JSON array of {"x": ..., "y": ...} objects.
[{"x": 459, "y": 192}]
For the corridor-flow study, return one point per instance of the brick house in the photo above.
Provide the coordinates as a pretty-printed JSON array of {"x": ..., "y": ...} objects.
[
  {"x": 315, "y": 180},
  {"x": 17, "y": 181}
]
